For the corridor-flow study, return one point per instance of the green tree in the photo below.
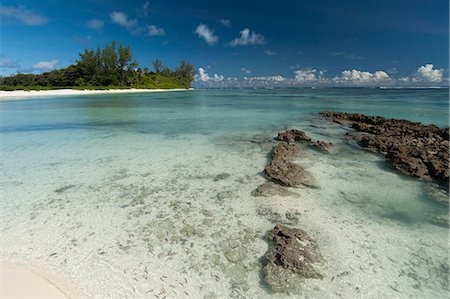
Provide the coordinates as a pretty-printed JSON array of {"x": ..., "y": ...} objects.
[
  {"x": 158, "y": 66},
  {"x": 126, "y": 63}
]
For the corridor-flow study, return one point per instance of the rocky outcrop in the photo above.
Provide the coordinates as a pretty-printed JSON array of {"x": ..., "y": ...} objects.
[
  {"x": 282, "y": 170},
  {"x": 292, "y": 136},
  {"x": 292, "y": 252},
  {"x": 410, "y": 147}
]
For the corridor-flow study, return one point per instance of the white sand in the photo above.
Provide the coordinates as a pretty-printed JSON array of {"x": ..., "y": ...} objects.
[
  {"x": 22, "y": 94},
  {"x": 24, "y": 283}
]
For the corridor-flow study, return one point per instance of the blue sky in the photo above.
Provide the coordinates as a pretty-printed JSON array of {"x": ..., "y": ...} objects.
[{"x": 305, "y": 42}]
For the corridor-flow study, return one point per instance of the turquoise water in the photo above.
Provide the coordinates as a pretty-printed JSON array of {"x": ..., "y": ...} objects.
[{"x": 119, "y": 195}]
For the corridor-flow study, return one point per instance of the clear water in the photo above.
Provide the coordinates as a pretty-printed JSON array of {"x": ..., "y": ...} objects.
[{"x": 119, "y": 196}]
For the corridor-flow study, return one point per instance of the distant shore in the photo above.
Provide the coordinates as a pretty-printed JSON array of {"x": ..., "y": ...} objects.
[{"x": 22, "y": 94}]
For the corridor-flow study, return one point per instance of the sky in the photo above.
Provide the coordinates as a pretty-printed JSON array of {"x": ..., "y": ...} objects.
[{"x": 241, "y": 43}]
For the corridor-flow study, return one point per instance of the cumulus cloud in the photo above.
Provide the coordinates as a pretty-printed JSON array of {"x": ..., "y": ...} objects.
[
  {"x": 46, "y": 65},
  {"x": 248, "y": 37},
  {"x": 427, "y": 73},
  {"x": 23, "y": 15},
  {"x": 152, "y": 30},
  {"x": 269, "y": 52},
  {"x": 203, "y": 77},
  {"x": 245, "y": 71},
  {"x": 122, "y": 19},
  {"x": 225, "y": 22},
  {"x": 308, "y": 75},
  {"x": 218, "y": 78},
  {"x": 362, "y": 77},
  {"x": 203, "y": 31},
  {"x": 95, "y": 24}
]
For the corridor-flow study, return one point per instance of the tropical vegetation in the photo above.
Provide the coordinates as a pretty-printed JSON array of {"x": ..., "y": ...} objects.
[{"x": 106, "y": 68}]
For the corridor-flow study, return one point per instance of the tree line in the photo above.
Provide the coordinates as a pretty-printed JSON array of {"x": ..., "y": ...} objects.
[{"x": 111, "y": 66}]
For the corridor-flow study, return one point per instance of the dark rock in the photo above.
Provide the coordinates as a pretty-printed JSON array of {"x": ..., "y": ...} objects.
[
  {"x": 286, "y": 173},
  {"x": 223, "y": 195},
  {"x": 292, "y": 136},
  {"x": 293, "y": 252},
  {"x": 221, "y": 176},
  {"x": 65, "y": 188},
  {"x": 282, "y": 170},
  {"x": 271, "y": 189},
  {"x": 410, "y": 147},
  {"x": 285, "y": 151}
]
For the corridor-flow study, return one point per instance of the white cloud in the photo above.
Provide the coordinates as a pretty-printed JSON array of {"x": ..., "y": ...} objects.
[
  {"x": 46, "y": 65},
  {"x": 203, "y": 31},
  {"x": 404, "y": 79},
  {"x": 361, "y": 77},
  {"x": 95, "y": 24},
  {"x": 152, "y": 30},
  {"x": 122, "y": 19},
  {"x": 225, "y": 22},
  {"x": 381, "y": 76},
  {"x": 275, "y": 78},
  {"x": 247, "y": 37},
  {"x": 218, "y": 78},
  {"x": 23, "y": 15},
  {"x": 146, "y": 8},
  {"x": 308, "y": 75},
  {"x": 427, "y": 73},
  {"x": 8, "y": 63},
  {"x": 269, "y": 52},
  {"x": 245, "y": 71},
  {"x": 203, "y": 77}
]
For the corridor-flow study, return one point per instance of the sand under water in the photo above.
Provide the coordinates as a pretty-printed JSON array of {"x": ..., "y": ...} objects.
[{"x": 149, "y": 195}]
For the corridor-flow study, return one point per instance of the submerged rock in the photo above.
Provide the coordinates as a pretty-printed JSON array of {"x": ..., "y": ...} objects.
[
  {"x": 323, "y": 146},
  {"x": 292, "y": 136},
  {"x": 410, "y": 147},
  {"x": 271, "y": 189},
  {"x": 221, "y": 176},
  {"x": 64, "y": 188},
  {"x": 293, "y": 252}
]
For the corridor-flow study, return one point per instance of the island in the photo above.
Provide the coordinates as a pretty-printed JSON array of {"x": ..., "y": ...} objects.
[{"x": 111, "y": 68}]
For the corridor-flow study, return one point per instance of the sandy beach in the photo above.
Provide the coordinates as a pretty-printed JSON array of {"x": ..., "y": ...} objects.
[
  {"x": 22, "y": 94},
  {"x": 20, "y": 282}
]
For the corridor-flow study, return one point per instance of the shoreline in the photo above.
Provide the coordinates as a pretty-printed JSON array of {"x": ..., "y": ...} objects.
[
  {"x": 22, "y": 94},
  {"x": 39, "y": 284}
]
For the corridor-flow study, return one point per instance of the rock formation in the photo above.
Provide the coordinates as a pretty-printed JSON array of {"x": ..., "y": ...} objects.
[
  {"x": 293, "y": 135},
  {"x": 282, "y": 170},
  {"x": 292, "y": 252},
  {"x": 410, "y": 147}
]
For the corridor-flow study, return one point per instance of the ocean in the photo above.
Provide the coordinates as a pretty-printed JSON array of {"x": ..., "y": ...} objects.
[{"x": 150, "y": 195}]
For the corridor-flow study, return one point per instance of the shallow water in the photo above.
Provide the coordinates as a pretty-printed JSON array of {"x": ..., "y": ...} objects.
[{"x": 149, "y": 195}]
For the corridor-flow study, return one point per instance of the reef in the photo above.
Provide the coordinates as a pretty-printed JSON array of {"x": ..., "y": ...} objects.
[{"x": 410, "y": 147}]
